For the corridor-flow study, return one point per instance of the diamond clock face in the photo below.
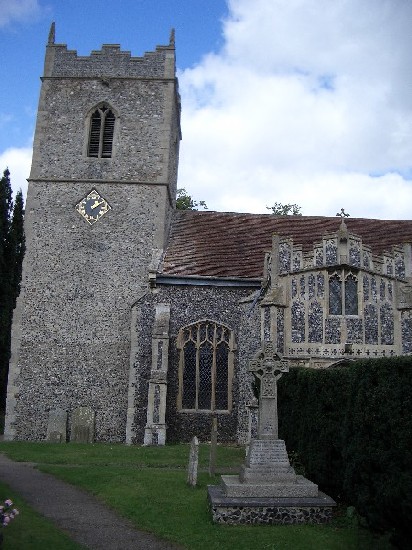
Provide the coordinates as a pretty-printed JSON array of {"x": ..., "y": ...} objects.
[{"x": 93, "y": 207}]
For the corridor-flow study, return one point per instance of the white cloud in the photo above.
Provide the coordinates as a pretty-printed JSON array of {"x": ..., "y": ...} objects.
[
  {"x": 306, "y": 101},
  {"x": 18, "y": 161},
  {"x": 18, "y": 10}
]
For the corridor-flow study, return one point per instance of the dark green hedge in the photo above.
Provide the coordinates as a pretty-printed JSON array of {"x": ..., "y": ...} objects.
[{"x": 351, "y": 427}]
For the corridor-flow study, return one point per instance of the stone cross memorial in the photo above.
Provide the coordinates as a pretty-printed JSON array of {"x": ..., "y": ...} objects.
[
  {"x": 268, "y": 367},
  {"x": 268, "y": 490}
]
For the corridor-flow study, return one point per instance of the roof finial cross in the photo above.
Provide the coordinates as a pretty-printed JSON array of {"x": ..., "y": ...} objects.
[{"x": 343, "y": 214}]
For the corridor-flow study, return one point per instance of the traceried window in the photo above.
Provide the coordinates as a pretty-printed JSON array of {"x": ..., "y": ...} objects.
[
  {"x": 101, "y": 133},
  {"x": 343, "y": 293},
  {"x": 206, "y": 366}
]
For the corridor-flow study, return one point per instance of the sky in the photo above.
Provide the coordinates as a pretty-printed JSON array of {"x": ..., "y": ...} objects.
[{"x": 306, "y": 102}]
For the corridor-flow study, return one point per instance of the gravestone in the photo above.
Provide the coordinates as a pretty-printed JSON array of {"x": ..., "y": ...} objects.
[
  {"x": 213, "y": 447},
  {"x": 193, "y": 462},
  {"x": 82, "y": 426},
  {"x": 268, "y": 490},
  {"x": 57, "y": 426}
]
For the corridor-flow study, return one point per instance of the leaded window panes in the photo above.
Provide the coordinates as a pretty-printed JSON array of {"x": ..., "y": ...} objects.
[
  {"x": 101, "y": 133},
  {"x": 204, "y": 397},
  {"x": 351, "y": 295},
  {"x": 343, "y": 294},
  {"x": 206, "y": 366},
  {"x": 335, "y": 295},
  {"x": 189, "y": 376},
  {"x": 222, "y": 372}
]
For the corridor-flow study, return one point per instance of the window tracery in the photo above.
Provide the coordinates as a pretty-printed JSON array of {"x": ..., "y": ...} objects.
[
  {"x": 343, "y": 293},
  {"x": 205, "y": 366}
]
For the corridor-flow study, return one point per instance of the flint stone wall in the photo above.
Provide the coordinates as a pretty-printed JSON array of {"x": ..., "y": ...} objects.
[
  {"x": 110, "y": 61},
  {"x": 71, "y": 329},
  {"x": 187, "y": 305},
  {"x": 79, "y": 284},
  {"x": 141, "y": 136},
  {"x": 271, "y": 515}
]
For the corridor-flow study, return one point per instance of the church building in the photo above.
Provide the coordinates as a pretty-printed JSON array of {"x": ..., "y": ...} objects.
[{"x": 147, "y": 316}]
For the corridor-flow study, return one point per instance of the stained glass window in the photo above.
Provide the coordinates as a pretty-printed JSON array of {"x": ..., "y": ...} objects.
[{"x": 206, "y": 366}]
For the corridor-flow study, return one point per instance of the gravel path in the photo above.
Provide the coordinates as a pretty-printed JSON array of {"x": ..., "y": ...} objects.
[{"x": 82, "y": 516}]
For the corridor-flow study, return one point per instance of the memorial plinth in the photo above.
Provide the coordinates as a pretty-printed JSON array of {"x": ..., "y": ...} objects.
[{"x": 268, "y": 490}]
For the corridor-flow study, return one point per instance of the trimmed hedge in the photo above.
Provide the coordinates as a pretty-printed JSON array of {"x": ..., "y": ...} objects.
[{"x": 351, "y": 427}]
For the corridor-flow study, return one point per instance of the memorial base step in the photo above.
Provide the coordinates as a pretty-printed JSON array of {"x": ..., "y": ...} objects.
[
  {"x": 268, "y": 510},
  {"x": 302, "y": 487}
]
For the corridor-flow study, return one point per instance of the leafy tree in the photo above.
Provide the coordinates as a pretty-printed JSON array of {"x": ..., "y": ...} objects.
[
  {"x": 12, "y": 247},
  {"x": 185, "y": 201},
  {"x": 279, "y": 209}
]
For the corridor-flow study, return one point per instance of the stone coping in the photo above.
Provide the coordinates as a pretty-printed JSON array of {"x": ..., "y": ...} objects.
[{"x": 217, "y": 498}]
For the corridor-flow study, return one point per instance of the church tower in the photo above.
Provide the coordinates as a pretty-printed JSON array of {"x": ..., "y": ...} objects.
[{"x": 101, "y": 193}]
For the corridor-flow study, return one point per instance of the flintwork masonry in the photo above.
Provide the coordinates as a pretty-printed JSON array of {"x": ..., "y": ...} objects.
[{"x": 338, "y": 300}]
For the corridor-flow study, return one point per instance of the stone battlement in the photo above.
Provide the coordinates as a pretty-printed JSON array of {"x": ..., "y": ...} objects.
[{"x": 110, "y": 61}]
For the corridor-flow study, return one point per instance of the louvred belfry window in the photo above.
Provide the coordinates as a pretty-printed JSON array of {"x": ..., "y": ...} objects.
[
  {"x": 206, "y": 366},
  {"x": 101, "y": 133}
]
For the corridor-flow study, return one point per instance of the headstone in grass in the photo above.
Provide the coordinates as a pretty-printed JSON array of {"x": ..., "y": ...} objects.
[
  {"x": 213, "y": 447},
  {"x": 193, "y": 462},
  {"x": 57, "y": 426},
  {"x": 82, "y": 426}
]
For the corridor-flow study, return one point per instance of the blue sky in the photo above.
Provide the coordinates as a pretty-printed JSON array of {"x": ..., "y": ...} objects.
[{"x": 294, "y": 101}]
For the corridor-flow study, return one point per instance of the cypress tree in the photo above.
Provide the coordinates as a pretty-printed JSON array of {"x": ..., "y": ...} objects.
[
  {"x": 16, "y": 246},
  {"x": 5, "y": 214},
  {"x": 12, "y": 246}
]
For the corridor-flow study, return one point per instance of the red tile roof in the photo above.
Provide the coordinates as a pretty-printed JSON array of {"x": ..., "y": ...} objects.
[{"x": 225, "y": 244}]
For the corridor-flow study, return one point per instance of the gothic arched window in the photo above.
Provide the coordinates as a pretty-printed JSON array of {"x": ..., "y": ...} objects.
[
  {"x": 205, "y": 366},
  {"x": 101, "y": 133},
  {"x": 343, "y": 293}
]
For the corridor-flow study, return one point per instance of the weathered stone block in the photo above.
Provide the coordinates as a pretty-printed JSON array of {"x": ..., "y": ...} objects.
[
  {"x": 57, "y": 426},
  {"x": 82, "y": 427}
]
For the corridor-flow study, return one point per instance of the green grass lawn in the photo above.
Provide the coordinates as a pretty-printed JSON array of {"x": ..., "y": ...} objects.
[{"x": 148, "y": 486}]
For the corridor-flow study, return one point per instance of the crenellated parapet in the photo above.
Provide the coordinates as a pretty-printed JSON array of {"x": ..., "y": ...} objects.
[
  {"x": 110, "y": 61},
  {"x": 343, "y": 248}
]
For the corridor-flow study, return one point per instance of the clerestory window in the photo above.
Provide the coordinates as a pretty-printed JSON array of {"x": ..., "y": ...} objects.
[
  {"x": 101, "y": 133},
  {"x": 343, "y": 293},
  {"x": 205, "y": 366}
]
